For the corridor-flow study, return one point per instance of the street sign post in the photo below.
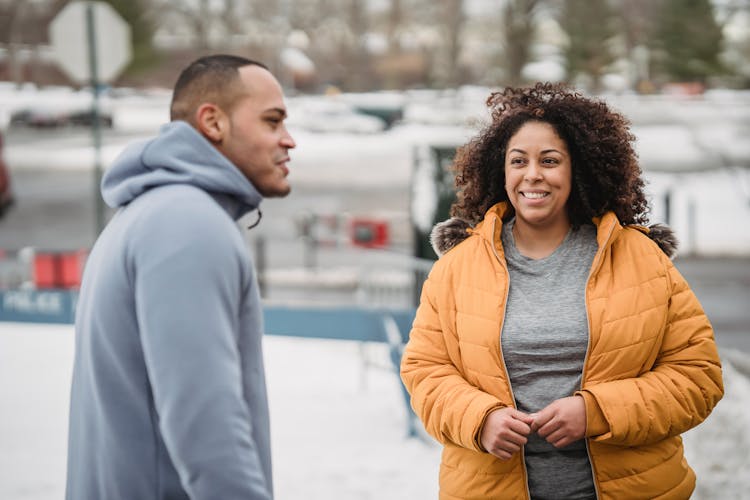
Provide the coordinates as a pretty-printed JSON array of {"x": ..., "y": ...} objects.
[
  {"x": 73, "y": 41},
  {"x": 92, "y": 44}
]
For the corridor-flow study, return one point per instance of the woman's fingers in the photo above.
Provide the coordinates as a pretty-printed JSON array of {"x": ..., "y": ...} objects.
[
  {"x": 562, "y": 422},
  {"x": 505, "y": 431}
]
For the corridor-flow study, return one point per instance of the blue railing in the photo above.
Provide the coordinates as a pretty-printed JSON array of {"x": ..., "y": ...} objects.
[{"x": 389, "y": 326}]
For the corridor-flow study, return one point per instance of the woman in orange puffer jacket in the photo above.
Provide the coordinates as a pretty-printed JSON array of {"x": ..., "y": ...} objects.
[{"x": 557, "y": 352}]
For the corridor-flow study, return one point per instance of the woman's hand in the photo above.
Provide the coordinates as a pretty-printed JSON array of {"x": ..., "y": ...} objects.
[
  {"x": 561, "y": 422},
  {"x": 505, "y": 431}
]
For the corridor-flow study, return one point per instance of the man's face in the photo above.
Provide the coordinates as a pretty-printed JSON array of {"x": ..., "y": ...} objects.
[{"x": 257, "y": 141}]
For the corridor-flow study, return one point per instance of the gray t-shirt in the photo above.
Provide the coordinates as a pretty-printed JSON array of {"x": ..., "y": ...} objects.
[{"x": 544, "y": 340}]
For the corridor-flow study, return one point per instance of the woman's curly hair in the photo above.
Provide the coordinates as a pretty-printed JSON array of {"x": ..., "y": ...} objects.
[{"x": 605, "y": 171}]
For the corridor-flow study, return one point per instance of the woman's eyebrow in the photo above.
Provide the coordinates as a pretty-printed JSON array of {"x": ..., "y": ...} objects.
[{"x": 544, "y": 151}]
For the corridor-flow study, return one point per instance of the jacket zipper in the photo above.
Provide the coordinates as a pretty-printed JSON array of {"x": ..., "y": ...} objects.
[
  {"x": 500, "y": 351},
  {"x": 594, "y": 267}
]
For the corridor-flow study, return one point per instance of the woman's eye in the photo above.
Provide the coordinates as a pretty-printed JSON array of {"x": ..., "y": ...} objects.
[{"x": 550, "y": 161}]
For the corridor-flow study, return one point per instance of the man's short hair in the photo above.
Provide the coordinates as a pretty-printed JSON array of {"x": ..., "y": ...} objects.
[{"x": 213, "y": 79}]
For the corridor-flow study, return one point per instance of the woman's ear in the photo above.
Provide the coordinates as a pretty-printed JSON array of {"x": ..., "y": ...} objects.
[{"x": 212, "y": 122}]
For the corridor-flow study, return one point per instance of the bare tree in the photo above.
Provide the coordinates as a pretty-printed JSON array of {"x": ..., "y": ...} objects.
[
  {"x": 637, "y": 24},
  {"x": 198, "y": 18},
  {"x": 230, "y": 17},
  {"x": 519, "y": 26},
  {"x": 394, "y": 25},
  {"x": 25, "y": 24},
  {"x": 357, "y": 55},
  {"x": 9, "y": 17},
  {"x": 451, "y": 19},
  {"x": 590, "y": 27}
]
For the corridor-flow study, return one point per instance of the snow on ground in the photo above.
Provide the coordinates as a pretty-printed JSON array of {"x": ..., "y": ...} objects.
[
  {"x": 338, "y": 428},
  {"x": 338, "y": 423},
  {"x": 719, "y": 449}
]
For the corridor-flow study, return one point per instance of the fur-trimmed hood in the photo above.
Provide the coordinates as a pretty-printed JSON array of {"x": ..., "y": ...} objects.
[{"x": 449, "y": 233}]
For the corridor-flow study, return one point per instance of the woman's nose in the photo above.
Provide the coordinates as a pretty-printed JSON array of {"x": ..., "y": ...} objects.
[{"x": 533, "y": 171}]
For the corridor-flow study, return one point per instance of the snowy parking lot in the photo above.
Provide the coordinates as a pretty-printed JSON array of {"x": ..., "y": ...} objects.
[{"x": 694, "y": 152}]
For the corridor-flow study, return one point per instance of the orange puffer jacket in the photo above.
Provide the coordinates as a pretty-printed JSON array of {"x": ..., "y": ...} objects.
[{"x": 651, "y": 372}]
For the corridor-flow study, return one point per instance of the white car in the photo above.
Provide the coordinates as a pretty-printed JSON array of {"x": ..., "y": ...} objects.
[
  {"x": 57, "y": 107},
  {"x": 325, "y": 114}
]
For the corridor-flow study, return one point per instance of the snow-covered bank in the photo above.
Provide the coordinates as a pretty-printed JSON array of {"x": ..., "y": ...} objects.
[
  {"x": 719, "y": 450},
  {"x": 338, "y": 424}
]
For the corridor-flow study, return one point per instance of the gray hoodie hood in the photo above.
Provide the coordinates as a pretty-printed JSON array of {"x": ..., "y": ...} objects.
[{"x": 178, "y": 155}]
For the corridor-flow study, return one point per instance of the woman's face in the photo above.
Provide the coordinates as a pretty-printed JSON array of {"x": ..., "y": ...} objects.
[{"x": 538, "y": 176}]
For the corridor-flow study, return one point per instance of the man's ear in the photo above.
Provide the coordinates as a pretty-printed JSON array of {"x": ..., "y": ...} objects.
[{"x": 212, "y": 122}]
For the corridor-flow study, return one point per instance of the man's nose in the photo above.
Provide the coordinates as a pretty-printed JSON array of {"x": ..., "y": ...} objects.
[{"x": 287, "y": 141}]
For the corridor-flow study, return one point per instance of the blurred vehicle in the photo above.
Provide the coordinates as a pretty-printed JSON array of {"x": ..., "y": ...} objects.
[
  {"x": 38, "y": 117},
  {"x": 86, "y": 118},
  {"x": 58, "y": 107},
  {"x": 330, "y": 115},
  {"x": 41, "y": 116},
  {"x": 388, "y": 106},
  {"x": 6, "y": 195}
]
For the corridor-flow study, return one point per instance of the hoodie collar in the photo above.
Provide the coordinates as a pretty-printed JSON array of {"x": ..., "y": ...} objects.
[{"x": 179, "y": 155}]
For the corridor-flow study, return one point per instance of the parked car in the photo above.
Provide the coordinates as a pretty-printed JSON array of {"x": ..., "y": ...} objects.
[
  {"x": 50, "y": 117},
  {"x": 38, "y": 117},
  {"x": 6, "y": 195},
  {"x": 86, "y": 118},
  {"x": 328, "y": 115},
  {"x": 60, "y": 107}
]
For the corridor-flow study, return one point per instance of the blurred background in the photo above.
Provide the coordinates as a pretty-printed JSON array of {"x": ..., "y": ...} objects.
[
  {"x": 380, "y": 94},
  {"x": 366, "y": 45}
]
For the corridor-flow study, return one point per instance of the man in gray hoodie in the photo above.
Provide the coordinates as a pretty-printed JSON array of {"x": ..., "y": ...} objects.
[{"x": 168, "y": 397}]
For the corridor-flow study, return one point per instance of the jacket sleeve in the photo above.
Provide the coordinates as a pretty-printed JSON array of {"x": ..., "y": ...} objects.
[
  {"x": 676, "y": 394},
  {"x": 451, "y": 409},
  {"x": 188, "y": 285}
]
